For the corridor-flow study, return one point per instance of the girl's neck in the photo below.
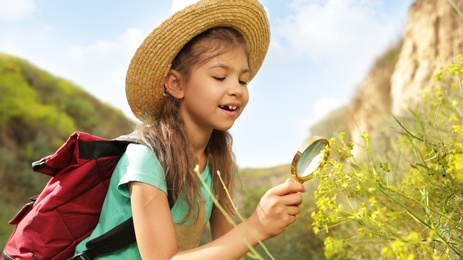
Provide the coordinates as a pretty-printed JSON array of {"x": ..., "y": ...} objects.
[
  {"x": 199, "y": 141},
  {"x": 201, "y": 160}
]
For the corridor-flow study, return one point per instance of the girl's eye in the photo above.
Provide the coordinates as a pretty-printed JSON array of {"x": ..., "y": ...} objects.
[
  {"x": 219, "y": 78},
  {"x": 243, "y": 82}
]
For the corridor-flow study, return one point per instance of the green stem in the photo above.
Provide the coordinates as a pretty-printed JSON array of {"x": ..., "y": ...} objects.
[
  {"x": 235, "y": 207},
  {"x": 414, "y": 216},
  {"x": 225, "y": 213}
]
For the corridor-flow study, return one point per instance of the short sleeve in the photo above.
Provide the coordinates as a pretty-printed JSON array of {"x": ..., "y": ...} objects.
[{"x": 140, "y": 164}]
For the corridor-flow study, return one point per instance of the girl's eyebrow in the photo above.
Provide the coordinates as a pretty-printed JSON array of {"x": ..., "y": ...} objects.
[{"x": 226, "y": 67}]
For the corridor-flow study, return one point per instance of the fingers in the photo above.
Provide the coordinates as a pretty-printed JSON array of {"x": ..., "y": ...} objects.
[
  {"x": 293, "y": 210},
  {"x": 278, "y": 208},
  {"x": 287, "y": 193},
  {"x": 289, "y": 186},
  {"x": 293, "y": 199}
]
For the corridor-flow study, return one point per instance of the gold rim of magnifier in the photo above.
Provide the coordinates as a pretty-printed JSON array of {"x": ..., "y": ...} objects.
[{"x": 299, "y": 153}]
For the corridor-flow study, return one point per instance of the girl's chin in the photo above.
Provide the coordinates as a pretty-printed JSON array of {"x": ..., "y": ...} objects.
[{"x": 225, "y": 128}]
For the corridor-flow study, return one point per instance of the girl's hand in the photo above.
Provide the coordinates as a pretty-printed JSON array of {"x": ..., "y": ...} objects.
[{"x": 277, "y": 209}]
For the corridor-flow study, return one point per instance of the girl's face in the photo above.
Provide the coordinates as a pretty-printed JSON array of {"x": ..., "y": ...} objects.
[{"x": 216, "y": 92}]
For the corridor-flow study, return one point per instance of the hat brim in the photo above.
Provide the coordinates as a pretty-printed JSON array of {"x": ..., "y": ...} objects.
[{"x": 152, "y": 60}]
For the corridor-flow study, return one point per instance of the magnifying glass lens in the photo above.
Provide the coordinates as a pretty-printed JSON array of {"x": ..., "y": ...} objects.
[{"x": 309, "y": 158}]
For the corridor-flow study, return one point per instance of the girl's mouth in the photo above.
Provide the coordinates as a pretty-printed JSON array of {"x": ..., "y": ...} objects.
[{"x": 229, "y": 108}]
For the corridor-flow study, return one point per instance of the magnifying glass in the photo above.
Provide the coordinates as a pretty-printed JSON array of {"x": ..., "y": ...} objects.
[{"x": 310, "y": 157}]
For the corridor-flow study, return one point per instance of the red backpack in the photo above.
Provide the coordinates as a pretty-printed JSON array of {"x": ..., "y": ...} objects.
[{"x": 68, "y": 208}]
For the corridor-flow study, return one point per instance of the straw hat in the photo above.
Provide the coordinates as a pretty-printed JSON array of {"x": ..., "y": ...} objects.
[{"x": 152, "y": 61}]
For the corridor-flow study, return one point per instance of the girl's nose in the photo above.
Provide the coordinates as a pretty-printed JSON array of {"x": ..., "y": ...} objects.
[{"x": 236, "y": 89}]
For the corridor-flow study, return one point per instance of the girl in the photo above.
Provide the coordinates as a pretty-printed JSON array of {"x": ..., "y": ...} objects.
[{"x": 187, "y": 83}]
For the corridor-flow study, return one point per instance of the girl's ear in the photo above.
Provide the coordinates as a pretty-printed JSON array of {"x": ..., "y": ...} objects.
[{"x": 173, "y": 84}]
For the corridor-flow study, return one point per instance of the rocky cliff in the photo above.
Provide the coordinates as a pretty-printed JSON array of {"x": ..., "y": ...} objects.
[{"x": 432, "y": 38}]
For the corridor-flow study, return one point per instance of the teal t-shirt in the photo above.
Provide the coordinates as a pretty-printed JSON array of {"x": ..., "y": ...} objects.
[{"x": 140, "y": 164}]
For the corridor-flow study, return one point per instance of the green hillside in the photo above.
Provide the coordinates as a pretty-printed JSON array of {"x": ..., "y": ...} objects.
[{"x": 38, "y": 111}]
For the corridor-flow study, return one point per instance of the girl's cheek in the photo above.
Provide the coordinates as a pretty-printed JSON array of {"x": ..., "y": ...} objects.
[{"x": 243, "y": 107}]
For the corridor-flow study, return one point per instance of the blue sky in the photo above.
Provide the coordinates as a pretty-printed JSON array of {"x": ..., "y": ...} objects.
[{"x": 319, "y": 51}]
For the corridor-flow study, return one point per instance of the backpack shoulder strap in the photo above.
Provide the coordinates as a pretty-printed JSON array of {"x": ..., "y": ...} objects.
[{"x": 118, "y": 237}]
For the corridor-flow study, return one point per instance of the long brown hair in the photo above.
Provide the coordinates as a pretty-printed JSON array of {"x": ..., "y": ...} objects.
[{"x": 166, "y": 135}]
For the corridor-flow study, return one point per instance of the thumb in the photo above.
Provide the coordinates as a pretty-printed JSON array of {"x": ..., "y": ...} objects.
[{"x": 289, "y": 180}]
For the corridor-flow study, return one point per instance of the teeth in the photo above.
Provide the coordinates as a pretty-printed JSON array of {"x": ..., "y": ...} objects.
[{"x": 231, "y": 108}]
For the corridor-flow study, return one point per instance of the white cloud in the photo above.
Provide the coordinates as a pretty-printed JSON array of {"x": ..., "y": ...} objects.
[
  {"x": 132, "y": 38},
  {"x": 98, "y": 48},
  {"x": 320, "y": 108},
  {"x": 180, "y": 4},
  {"x": 15, "y": 10},
  {"x": 341, "y": 31},
  {"x": 109, "y": 59},
  {"x": 124, "y": 45},
  {"x": 323, "y": 106}
]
